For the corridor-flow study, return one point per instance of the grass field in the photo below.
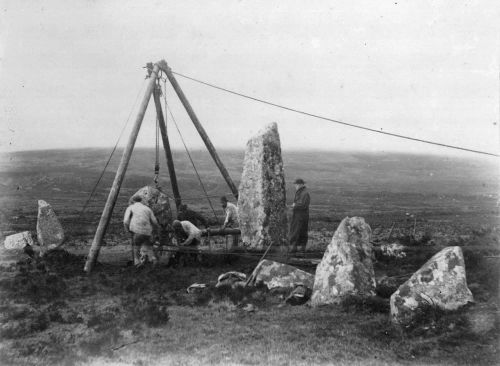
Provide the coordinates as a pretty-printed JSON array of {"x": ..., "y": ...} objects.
[{"x": 52, "y": 313}]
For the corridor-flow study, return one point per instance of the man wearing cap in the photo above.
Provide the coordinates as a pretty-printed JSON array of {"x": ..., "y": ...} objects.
[{"x": 300, "y": 217}]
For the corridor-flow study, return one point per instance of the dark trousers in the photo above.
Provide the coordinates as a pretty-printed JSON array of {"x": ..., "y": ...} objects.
[
  {"x": 137, "y": 241},
  {"x": 234, "y": 238},
  {"x": 299, "y": 228}
]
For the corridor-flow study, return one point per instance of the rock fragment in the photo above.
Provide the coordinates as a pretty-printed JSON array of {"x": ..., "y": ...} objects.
[
  {"x": 233, "y": 279},
  {"x": 279, "y": 275},
  {"x": 440, "y": 283},
  {"x": 50, "y": 233},
  {"x": 18, "y": 241},
  {"x": 299, "y": 295},
  {"x": 262, "y": 193},
  {"x": 346, "y": 268},
  {"x": 196, "y": 288}
]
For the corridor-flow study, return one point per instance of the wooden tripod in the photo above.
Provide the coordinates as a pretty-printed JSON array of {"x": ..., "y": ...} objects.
[{"x": 127, "y": 153}]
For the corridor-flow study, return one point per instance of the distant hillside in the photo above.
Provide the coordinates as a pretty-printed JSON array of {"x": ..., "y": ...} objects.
[
  {"x": 379, "y": 187},
  {"x": 327, "y": 173}
]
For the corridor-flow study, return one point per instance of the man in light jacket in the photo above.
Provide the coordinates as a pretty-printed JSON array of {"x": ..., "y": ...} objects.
[
  {"x": 141, "y": 222},
  {"x": 231, "y": 219}
]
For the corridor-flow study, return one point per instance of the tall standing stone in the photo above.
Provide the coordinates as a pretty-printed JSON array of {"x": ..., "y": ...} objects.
[
  {"x": 48, "y": 228},
  {"x": 440, "y": 283},
  {"x": 262, "y": 194},
  {"x": 346, "y": 268}
]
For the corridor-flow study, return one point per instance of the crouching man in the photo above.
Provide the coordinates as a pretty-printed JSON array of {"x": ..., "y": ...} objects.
[
  {"x": 141, "y": 222},
  {"x": 186, "y": 233}
]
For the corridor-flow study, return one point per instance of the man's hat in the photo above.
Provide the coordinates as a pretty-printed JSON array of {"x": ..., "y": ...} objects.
[{"x": 299, "y": 181}]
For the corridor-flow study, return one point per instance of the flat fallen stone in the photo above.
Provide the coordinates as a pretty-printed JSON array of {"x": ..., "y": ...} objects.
[
  {"x": 262, "y": 192},
  {"x": 346, "y": 268},
  {"x": 279, "y": 275},
  {"x": 18, "y": 241},
  {"x": 50, "y": 233},
  {"x": 440, "y": 283}
]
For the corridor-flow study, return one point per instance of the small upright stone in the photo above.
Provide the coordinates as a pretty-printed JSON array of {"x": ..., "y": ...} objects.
[
  {"x": 262, "y": 193},
  {"x": 439, "y": 283},
  {"x": 18, "y": 241},
  {"x": 346, "y": 268},
  {"x": 48, "y": 228}
]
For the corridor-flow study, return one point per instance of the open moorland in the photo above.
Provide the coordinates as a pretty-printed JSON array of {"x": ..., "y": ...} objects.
[{"x": 53, "y": 313}]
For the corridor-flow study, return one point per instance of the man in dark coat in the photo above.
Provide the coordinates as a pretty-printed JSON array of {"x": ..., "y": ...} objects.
[{"x": 300, "y": 217}]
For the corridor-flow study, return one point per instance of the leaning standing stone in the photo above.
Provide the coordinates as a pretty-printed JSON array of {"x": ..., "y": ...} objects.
[
  {"x": 48, "y": 228},
  {"x": 18, "y": 241},
  {"x": 439, "y": 283},
  {"x": 262, "y": 194},
  {"x": 346, "y": 268}
]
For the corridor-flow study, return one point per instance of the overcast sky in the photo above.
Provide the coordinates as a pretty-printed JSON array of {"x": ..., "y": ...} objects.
[{"x": 71, "y": 71}]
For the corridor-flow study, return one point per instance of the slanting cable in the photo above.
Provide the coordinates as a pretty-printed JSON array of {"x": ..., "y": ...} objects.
[
  {"x": 112, "y": 152},
  {"x": 334, "y": 120},
  {"x": 194, "y": 167}
]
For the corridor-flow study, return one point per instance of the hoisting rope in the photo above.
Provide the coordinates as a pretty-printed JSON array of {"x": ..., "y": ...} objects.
[
  {"x": 334, "y": 120},
  {"x": 112, "y": 152},
  {"x": 192, "y": 163},
  {"x": 157, "y": 143},
  {"x": 157, "y": 153}
]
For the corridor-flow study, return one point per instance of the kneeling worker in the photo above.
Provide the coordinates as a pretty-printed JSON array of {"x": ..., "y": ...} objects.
[
  {"x": 141, "y": 222},
  {"x": 186, "y": 233}
]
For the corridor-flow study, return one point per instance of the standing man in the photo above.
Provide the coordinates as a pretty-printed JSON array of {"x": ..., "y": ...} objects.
[
  {"x": 300, "y": 217},
  {"x": 141, "y": 223},
  {"x": 231, "y": 219}
]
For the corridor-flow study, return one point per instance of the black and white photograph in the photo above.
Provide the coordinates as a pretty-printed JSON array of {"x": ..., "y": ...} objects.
[{"x": 239, "y": 182}]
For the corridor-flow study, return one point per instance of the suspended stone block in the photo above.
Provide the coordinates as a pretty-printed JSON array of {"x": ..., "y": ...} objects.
[
  {"x": 439, "y": 283},
  {"x": 279, "y": 275},
  {"x": 158, "y": 202},
  {"x": 346, "y": 268},
  {"x": 18, "y": 241},
  {"x": 262, "y": 193},
  {"x": 50, "y": 233}
]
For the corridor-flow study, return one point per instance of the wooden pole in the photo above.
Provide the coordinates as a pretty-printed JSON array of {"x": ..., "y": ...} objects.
[
  {"x": 166, "y": 147},
  {"x": 120, "y": 174},
  {"x": 211, "y": 149},
  {"x": 220, "y": 232}
]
